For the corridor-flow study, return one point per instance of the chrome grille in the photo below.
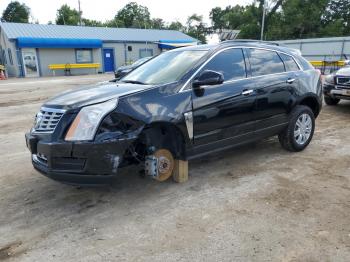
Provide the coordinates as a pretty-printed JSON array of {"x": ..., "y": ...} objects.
[
  {"x": 47, "y": 119},
  {"x": 343, "y": 80}
]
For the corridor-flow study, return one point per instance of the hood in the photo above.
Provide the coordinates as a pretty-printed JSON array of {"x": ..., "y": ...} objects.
[
  {"x": 345, "y": 71},
  {"x": 99, "y": 93},
  {"x": 122, "y": 68}
]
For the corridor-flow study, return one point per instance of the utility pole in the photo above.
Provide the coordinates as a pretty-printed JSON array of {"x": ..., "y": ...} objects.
[
  {"x": 263, "y": 22},
  {"x": 80, "y": 23}
]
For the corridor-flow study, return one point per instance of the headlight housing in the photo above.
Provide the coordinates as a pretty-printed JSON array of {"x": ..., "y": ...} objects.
[
  {"x": 329, "y": 79},
  {"x": 87, "y": 121}
]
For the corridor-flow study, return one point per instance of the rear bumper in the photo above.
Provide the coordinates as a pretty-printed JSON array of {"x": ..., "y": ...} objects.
[{"x": 87, "y": 163}]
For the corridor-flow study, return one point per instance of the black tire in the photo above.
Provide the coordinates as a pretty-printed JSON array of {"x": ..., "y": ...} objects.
[
  {"x": 331, "y": 101},
  {"x": 287, "y": 136}
]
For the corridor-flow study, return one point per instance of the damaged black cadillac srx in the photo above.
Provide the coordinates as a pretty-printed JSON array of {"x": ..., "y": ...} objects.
[{"x": 179, "y": 105}]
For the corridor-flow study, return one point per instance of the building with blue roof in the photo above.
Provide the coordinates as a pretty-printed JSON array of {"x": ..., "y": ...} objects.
[{"x": 31, "y": 50}]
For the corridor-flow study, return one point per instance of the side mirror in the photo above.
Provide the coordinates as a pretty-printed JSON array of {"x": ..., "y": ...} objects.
[{"x": 208, "y": 78}]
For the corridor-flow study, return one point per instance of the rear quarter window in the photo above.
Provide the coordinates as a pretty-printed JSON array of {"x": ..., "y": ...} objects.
[
  {"x": 289, "y": 63},
  {"x": 304, "y": 63},
  {"x": 264, "y": 62}
]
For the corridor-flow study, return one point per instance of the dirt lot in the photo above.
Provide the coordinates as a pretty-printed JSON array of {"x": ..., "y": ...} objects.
[{"x": 256, "y": 203}]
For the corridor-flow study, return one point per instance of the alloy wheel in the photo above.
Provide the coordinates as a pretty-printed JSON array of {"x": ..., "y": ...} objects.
[{"x": 303, "y": 129}]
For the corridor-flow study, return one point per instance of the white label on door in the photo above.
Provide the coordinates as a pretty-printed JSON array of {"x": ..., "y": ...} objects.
[
  {"x": 108, "y": 55},
  {"x": 30, "y": 62}
]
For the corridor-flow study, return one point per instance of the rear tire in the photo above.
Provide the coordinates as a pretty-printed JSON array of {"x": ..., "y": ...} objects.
[
  {"x": 299, "y": 132},
  {"x": 331, "y": 101}
]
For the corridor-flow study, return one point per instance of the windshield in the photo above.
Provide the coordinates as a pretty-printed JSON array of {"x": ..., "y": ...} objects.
[
  {"x": 140, "y": 61},
  {"x": 165, "y": 68}
]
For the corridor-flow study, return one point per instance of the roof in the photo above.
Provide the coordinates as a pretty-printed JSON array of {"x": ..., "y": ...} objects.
[
  {"x": 16, "y": 30},
  {"x": 204, "y": 47}
]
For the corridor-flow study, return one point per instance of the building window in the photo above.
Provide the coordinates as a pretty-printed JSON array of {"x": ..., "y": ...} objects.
[
  {"x": 10, "y": 56},
  {"x": 145, "y": 52},
  {"x": 83, "y": 55}
]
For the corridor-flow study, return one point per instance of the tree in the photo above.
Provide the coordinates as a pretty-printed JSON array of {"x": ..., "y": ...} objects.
[
  {"x": 157, "y": 23},
  {"x": 114, "y": 23},
  {"x": 286, "y": 19},
  {"x": 176, "y": 26},
  {"x": 196, "y": 28},
  {"x": 91, "y": 22},
  {"x": 133, "y": 15},
  {"x": 67, "y": 16},
  {"x": 337, "y": 17},
  {"x": 237, "y": 18},
  {"x": 217, "y": 16},
  {"x": 300, "y": 19},
  {"x": 16, "y": 12}
]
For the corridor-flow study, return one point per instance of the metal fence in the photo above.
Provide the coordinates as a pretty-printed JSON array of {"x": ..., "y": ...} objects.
[{"x": 327, "y": 54}]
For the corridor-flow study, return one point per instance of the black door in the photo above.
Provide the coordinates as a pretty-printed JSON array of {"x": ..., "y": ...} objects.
[
  {"x": 275, "y": 89},
  {"x": 225, "y": 110}
]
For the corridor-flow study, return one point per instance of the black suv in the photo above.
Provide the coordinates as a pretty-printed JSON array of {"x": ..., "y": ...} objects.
[
  {"x": 181, "y": 104},
  {"x": 337, "y": 86}
]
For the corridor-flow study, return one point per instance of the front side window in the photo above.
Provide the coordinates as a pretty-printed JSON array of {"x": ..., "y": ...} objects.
[
  {"x": 166, "y": 68},
  {"x": 230, "y": 63},
  {"x": 84, "y": 55},
  {"x": 289, "y": 63},
  {"x": 264, "y": 62}
]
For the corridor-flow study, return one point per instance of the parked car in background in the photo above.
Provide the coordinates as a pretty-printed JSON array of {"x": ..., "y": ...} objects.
[
  {"x": 123, "y": 70},
  {"x": 182, "y": 104},
  {"x": 337, "y": 86}
]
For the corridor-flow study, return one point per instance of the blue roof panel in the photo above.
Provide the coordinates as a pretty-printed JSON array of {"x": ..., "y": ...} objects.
[{"x": 58, "y": 42}]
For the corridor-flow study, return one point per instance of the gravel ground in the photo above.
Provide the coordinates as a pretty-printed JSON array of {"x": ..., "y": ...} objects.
[{"x": 255, "y": 203}]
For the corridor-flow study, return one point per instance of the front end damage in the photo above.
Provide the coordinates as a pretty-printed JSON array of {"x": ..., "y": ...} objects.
[
  {"x": 79, "y": 163},
  {"x": 85, "y": 162}
]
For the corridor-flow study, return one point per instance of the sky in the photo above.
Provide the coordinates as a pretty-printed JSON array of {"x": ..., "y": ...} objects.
[{"x": 102, "y": 10}]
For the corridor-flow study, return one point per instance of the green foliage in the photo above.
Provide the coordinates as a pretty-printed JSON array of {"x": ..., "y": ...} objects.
[
  {"x": 16, "y": 12},
  {"x": 196, "y": 28},
  {"x": 337, "y": 17},
  {"x": 286, "y": 19},
  {"x": 67, "y": 16},
  {"x": 302, "y": 18},
  {"x": 133, "y": 15},
  {"x": 157, "y": 23},
  {"x": 90, "y": 22},
  {"x": 176, "y": 26}
]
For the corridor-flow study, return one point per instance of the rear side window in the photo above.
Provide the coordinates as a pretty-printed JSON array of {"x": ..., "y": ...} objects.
[
  {"x": 304, "y": 63},
  {"x": 265, "y": 62},
  {"x": 230, "y": 63},
  {"x": 289, "y": 63}
]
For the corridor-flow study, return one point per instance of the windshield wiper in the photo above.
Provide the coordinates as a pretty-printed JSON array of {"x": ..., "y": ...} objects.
[{"x": 133, "y": 82}]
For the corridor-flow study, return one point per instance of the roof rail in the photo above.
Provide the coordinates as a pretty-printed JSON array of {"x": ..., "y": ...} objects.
[{"x": 249, "y": 41}]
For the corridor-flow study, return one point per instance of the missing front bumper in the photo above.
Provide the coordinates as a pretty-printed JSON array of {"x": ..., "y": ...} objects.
[{"x": 78, "y": 163}]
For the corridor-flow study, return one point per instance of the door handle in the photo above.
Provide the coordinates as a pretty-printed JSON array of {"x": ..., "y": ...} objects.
[
  {"x": 247, "y": 92},
  {"x": 290, "y": 80}
]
